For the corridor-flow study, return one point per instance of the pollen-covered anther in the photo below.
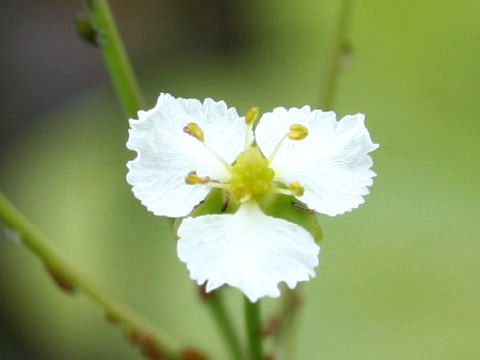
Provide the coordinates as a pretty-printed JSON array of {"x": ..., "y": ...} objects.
[
  {"x": 252, "y": 116},
  {"x": 296, "y": 188},
  {"x": 297, "y": 132},
  {"x": 194, "y": 130},
  {"x": 192, "y": 179}
]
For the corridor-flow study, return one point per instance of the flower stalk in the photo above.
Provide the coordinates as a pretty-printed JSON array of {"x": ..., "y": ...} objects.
[
  {"x": 224, "y": 323},
  {"x": 334, "y": 54},
  {"x": 254, "y": 329},
  {"x": 327, "y": 93},
  {"x": 69, "y": 278},
  {"x": 115, "y": 56}
]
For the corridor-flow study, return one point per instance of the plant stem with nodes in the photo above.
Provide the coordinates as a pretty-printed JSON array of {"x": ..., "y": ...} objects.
[
  {"x": 116, "y": 58},
  {"x": 69, "y": 279}
]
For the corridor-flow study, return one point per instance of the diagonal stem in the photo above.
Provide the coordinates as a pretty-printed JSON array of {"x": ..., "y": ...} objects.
[
  {"x": 224, "y": 323},
  {"x": 69, "y": 278},
  {"x": 115, "y": 56}
]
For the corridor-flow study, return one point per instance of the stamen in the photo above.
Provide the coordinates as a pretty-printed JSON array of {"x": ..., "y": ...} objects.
[
  {"x": 252, "y": 116},
  {"x": 219, "y": 158},
  {"x": 250, "y": 119},
  {"x": 219, "y": 185},
  {"x": 275, "y": 150},
  {"x": 296, "y": 188},
  {"x": 194, "y": 130},
  {"x": 297, "y": 132},
  {"x": 192, "y": 178},
  {"x": 282, "y": 191}
]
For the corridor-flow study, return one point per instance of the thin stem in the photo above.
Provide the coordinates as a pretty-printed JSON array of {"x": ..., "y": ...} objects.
[
  {"x": 70, "y": 278},
  {"x": 224, "y": 323},
  {"x": 254, "y": 329},
  {"x": 275, "y": 150},
  {"x": 248, "y": 133},
  {"x": 288, "y": 334},
  {"x": 333, "y": 56},
  {"x": 220, "y": 159},
  {"x": 115, "y": 56},
  {"x": 285, "y": 336}
]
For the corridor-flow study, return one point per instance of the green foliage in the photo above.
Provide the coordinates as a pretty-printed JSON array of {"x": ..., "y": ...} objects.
[{"x": 291, "y": 209}]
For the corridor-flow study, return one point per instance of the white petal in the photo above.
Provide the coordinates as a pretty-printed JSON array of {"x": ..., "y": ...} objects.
[
  {"x": 248, "y": 250},
  {"x": 332, "y": 162},
  {"x": 166, "y": 154}
]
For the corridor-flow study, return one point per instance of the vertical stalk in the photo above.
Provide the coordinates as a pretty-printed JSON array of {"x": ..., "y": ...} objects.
[
  {"x": 285, "y": 337},
  {"x": 254, "y": 329},
  {"x": 115, "y": 56},
  {"x": 333, "y": 56},
  {"x": 327, "y": 93},
  {"x": 224, "y": 323}
]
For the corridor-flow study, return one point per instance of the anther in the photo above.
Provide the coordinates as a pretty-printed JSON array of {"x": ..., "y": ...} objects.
[
  {"x": 296, "y": 188},
  {"x": 192, "y": 178},
  {"x": 194, "y": 130},
  {"x": 297, "y": 132},
  {"x": 252, "y": 116}
]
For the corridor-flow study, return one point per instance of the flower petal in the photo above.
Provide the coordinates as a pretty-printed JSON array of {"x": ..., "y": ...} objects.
[
  {"x": 166, "y": 154},
  {"x": 248, "y": 250},
  {"x": 332, "y": 162}
]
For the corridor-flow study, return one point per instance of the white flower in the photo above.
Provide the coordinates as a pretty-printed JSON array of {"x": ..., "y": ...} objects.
[{"x": 185, "y": 148}]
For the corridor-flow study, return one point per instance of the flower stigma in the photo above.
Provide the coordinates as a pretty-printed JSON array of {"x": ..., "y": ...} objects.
[
  {"x": 251, "y": 174},
  {"x": 192, "y": 178}
]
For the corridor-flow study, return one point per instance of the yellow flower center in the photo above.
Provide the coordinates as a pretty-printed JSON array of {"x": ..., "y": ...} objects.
[{"x": 251, "y": 174}]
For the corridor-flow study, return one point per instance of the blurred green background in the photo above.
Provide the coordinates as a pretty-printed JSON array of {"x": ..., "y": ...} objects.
[{"x": 398, "y": 277}]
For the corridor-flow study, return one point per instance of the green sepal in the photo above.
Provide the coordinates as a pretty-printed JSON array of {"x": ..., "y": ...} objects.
[
  {"x": 293, "y": 210},
  {"x": 216, "y": 202}
]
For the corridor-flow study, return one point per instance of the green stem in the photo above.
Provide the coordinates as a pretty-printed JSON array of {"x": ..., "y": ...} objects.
[
  {"x": 36, "y": 242},
  {"x": 254, "y": 329},
  {"x": 288, "y": 333},
  {"x": 225, "y": 324},
  {"x": 285, "y": 336},
  {"x": 292, "y": 323},
  {"x": 333, "y": 56},
  {"x": 115, "y": 56}
]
